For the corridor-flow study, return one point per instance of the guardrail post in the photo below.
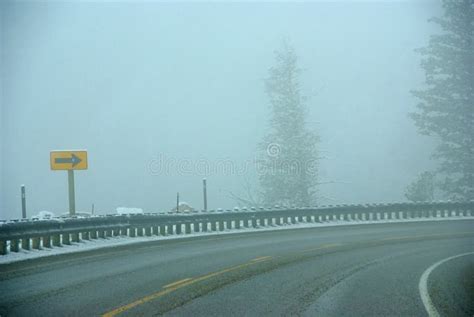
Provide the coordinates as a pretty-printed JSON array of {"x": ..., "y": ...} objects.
[
  {"x": 14, "y": 245},
  {"x": 75, "y": 237},
  {"x": 3, "y": 247},
  {"x": 148, "y": 231},
  {"x": 56, "y": 240},
  {"x": 169, "y": 229},
  {"x": 254, "y": 222},
  {"x": 196, "y": 226},
  {"x": 187, "y": 228},
  {"x": 66, "y": 239},
  {"x": 162, "y": 230},
  {"x": 46, "y": 241},
  {"x": 294, "y": 219},
  {"x": 35, "y": 243},
  {"x": 278, "y": 221},
  {"x": 93, "y": 234},
  {"x": 457, "y": 212},
  {"x": 221, "y": 225},
  {"x": 25, "y": 244},
  {"x": 179, "y": 228}
]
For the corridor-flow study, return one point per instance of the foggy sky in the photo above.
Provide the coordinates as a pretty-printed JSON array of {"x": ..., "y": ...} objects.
[{"x": 132, "y": 82}]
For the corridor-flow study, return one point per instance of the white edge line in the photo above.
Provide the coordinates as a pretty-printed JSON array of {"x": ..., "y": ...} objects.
[{"x": 423, "y": 285}]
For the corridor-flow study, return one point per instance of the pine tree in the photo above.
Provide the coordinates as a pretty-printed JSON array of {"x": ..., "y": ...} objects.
[
  {"x": 422, "y": 189},
  {"x": 446, "y": 107},
  {"x": 288, "y": 153}
]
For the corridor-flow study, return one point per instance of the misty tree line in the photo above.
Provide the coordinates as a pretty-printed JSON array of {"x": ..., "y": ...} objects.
[
  {"x": 445, "y": 108},
  {"x": 288, "y": 154}
]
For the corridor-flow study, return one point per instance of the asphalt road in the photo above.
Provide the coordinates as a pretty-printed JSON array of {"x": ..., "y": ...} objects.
[{"x": 364, "y": 270}]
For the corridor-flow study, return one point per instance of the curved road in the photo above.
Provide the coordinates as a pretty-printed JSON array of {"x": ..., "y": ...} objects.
[{"x": 362, "y": 270}]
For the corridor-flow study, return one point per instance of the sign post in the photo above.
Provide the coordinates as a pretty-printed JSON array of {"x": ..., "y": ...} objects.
[
  {"x": 72, "y": 195},
  {"x": 204, "y": 191},
  {"x": 23, "y": 202},
  {"x": 69, "y": 161},
  {"x": 177, "y": 202}
]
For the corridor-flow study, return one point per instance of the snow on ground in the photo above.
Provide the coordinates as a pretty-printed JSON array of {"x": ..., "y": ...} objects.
[
  {"x": 43, "y": 215},
  {"x": 129, "y": 211},
  {"x": 86, "y": 245},
  {"x": 78, "y": 214}
]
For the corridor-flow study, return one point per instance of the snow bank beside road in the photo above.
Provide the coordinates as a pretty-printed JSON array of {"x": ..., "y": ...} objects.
[
  {"x": 129, "y": 211},
  {"x": 43, "y": 215}
]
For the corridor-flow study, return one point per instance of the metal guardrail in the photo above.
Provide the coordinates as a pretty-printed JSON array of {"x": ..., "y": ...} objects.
[{"x": 56, "y": 232}]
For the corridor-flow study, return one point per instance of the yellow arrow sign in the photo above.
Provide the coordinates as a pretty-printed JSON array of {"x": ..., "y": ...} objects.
[{"x": 68, "y": 160}]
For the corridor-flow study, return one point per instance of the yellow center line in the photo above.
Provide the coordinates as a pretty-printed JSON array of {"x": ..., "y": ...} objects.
[
  {"x": 179, "y": 284},
  {"x": 189, "y": 281},
  {"x": 322, "y": 247}
]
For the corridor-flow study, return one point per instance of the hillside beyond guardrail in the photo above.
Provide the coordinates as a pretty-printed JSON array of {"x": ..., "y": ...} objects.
[{"x": 40, "y": 234}]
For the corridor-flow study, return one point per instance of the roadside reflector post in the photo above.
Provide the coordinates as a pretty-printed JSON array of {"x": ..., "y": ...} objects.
[
  {"x": 177, "y": 202},
  {"x": 72, "y": 196},
  {"x": 23, "y": 202},
  {"x": 204, "y": 190}
]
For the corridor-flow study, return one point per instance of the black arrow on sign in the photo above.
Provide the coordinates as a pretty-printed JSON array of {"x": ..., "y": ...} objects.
[{"x": 74, "y": 160}]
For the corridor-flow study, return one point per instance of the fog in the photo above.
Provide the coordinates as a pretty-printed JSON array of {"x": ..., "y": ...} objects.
[{"x": 147, "y": 85}]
